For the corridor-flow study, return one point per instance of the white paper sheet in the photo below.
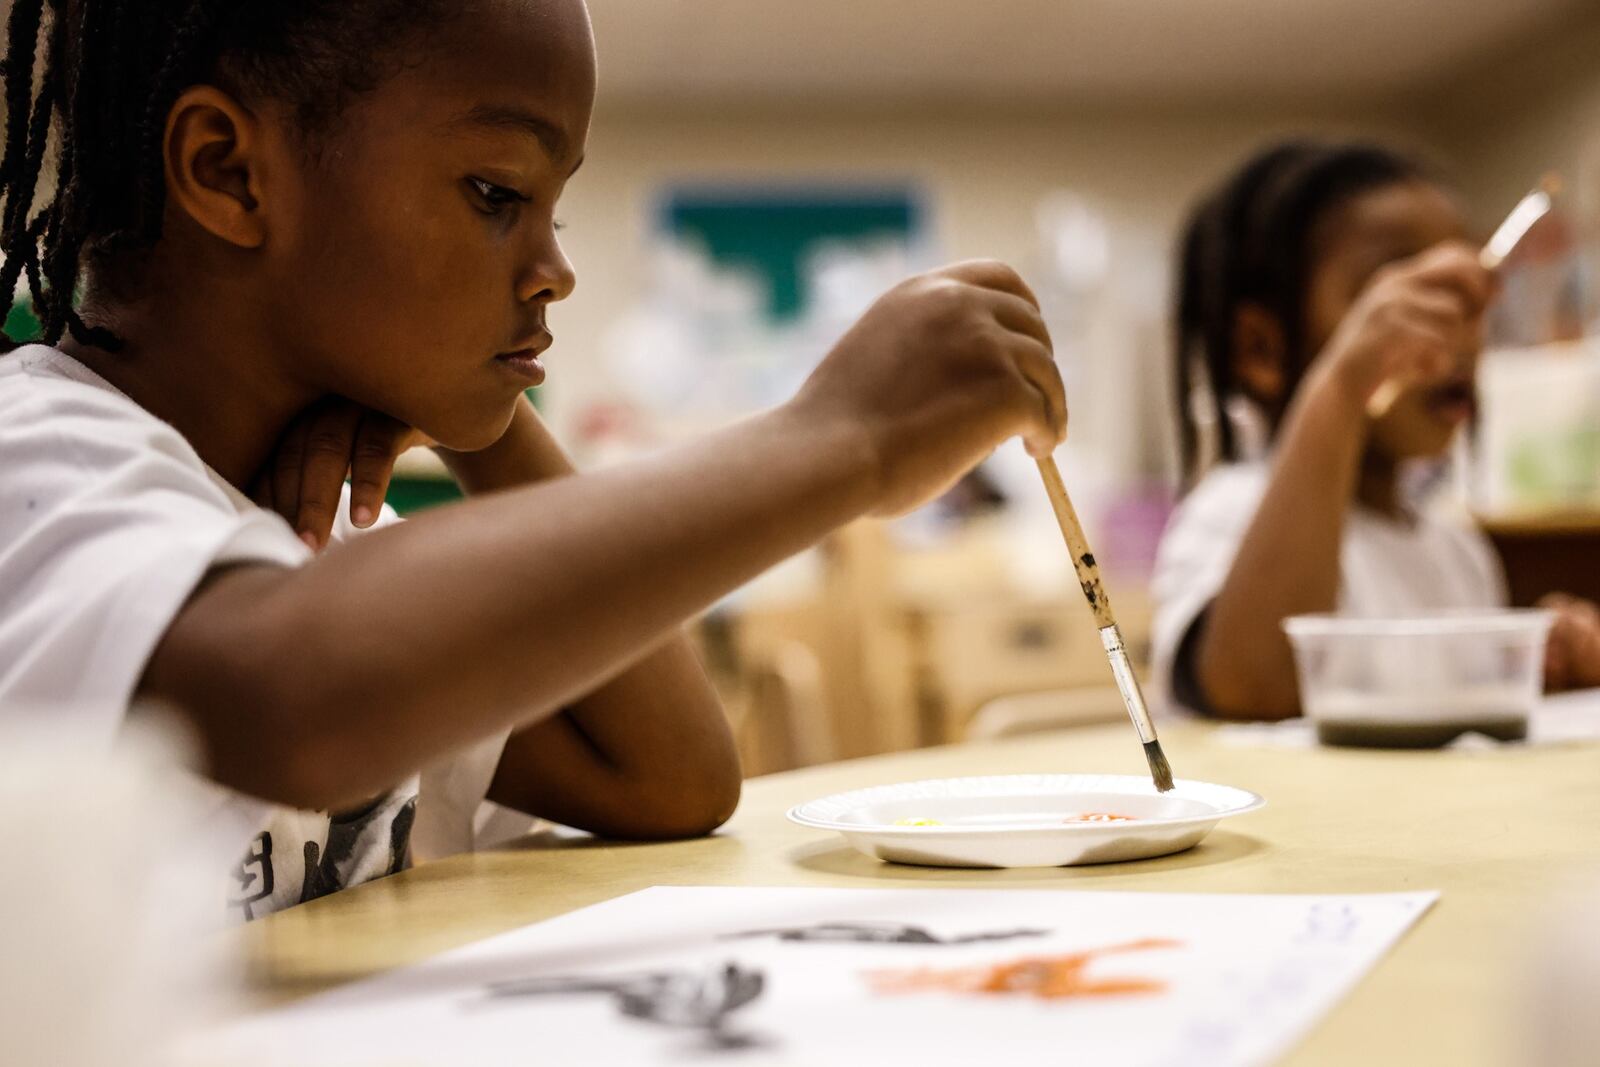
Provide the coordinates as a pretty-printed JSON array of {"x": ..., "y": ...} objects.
[{"x": 762, "y": 977}]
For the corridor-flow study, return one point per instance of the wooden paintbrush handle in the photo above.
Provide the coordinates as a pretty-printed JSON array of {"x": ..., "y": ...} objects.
[{"x": 1082, "y": 559}]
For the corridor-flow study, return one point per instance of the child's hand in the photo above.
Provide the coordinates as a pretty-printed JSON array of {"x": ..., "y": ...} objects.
[
  {"x": 330, "y": 440},
  {"x": 1415, "y": 322},
  {"x": 939, "y": 372},
  {"x": 1572, "y": 658}
]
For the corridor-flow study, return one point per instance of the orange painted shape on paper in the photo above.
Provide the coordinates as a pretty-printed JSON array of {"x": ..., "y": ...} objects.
[{"x": 1045, "y": 977}]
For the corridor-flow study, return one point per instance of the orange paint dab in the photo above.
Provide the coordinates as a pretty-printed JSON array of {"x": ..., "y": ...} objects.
[{"x": 1045, "y": 977}]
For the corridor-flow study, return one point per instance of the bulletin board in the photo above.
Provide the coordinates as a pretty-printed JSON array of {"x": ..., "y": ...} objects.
[{"x": 770, "y": 229}]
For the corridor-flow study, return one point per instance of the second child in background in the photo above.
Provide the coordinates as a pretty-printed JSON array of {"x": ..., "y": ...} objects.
[{"x": 1315, "y": 274}]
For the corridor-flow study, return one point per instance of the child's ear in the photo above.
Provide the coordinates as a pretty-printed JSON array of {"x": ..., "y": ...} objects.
[
  {"x": 1259, "y": 352},
  {"x": 213, "y": 165}
]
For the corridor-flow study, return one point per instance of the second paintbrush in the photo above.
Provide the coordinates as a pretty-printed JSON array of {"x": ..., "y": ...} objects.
[{"x": 1094, "y": 591}]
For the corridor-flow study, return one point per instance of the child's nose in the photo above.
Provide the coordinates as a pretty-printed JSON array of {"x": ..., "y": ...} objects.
[{"x": 550, "y": 277}]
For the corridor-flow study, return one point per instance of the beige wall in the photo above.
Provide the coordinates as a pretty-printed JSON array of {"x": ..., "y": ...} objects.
[
  {"x": 983, "y": 174},
  {"x": 1533, "y": 109}
]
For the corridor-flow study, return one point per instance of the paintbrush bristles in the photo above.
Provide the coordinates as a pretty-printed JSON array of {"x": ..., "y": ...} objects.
[{"x": 1160, "y": 769}]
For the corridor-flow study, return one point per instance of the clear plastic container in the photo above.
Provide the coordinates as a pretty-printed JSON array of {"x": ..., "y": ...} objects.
[{"x": 1420, "y": 682}]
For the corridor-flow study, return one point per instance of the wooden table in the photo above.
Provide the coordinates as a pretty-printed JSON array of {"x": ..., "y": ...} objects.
[{"x": 1502, "y": 834}]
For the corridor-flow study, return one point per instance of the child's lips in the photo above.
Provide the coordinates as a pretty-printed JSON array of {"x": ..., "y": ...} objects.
[
  {"x": 525, "y": 363},
  {"x": 524, "y": 359},
  {"x": 1455, "y": 402}
]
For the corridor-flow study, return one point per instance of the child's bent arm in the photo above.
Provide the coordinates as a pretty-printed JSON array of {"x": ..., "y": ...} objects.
[
  {"x": 1288, "y": 562},
  {"x": 648, "y": 754}
]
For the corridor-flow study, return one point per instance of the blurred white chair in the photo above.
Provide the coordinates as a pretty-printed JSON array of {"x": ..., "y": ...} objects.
[{"x": 1055, "y": 709}]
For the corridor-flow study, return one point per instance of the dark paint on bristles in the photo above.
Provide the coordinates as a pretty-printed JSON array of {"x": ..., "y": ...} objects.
[{"x": 1160, "y": 769}]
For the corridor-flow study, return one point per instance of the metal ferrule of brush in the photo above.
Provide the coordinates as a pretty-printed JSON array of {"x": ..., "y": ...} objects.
[{"x": 1127, "y": 682}]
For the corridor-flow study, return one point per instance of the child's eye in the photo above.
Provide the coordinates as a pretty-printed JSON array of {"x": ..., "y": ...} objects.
[{"x": 493, "y": 199}]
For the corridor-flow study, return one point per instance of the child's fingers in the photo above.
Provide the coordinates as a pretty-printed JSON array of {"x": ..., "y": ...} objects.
[
  {"x": 992, "y": 274},
  {"x": 1038, "y": 366},
  {"x": 1584, "y": 648},
  {"x": 1457, "y": 266},
  {"x": 1444, "y": 307},
  {"x": 1424, "y": 352},
  {"x": 288, "y": 469},
  {"x": 1035, "y": 358},
  {"x": 329, "y": 443},
  {"x": 378, "y": 444},
  {"x": 1019, "y": 316}
]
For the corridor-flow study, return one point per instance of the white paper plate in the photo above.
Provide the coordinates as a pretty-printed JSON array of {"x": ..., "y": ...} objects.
[{"x": 1019, "y": 820}]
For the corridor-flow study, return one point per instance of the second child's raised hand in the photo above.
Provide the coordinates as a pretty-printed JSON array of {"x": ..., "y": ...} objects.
[
  {"x": 1415, "y": 322},
  {"x": 940, "y": 371},
  {"x": 331, "y": 440}
]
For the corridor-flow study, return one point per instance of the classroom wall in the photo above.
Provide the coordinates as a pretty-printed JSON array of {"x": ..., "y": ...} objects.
[
  {"x": 983, "y": 175},
  {"x": 1532, "y": 108}
]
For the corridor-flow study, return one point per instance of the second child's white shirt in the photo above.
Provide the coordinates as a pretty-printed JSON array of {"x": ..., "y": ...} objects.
[{"x": 1387, "y": 567}]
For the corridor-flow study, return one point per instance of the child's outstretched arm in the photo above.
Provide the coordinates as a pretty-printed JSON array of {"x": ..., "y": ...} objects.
[
  {"x": 1414, "y": 320},
  {"x": 319, "y": 686}
]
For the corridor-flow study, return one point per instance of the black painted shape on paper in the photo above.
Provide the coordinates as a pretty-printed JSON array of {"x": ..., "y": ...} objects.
[
  {"x": 699, "y": 1001},
  {"x": 881, "y": 934}
]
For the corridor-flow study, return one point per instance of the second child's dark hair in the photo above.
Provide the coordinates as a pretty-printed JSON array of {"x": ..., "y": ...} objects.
[
  {"x": 111, "y": 71},
  {"x": 1251, "y": 242}
]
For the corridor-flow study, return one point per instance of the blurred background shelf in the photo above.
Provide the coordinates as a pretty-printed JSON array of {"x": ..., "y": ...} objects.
[{"x": 1553, "y": 552}]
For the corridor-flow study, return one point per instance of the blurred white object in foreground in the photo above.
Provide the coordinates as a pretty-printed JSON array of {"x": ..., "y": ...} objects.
[
  {"x": 1562, "y": 1028},
  {"x": 107, "y": 891}
]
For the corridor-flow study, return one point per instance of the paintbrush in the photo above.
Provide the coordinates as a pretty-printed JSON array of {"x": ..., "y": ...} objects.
[
  {"x": 1533, "y": 207},
  {"x": 1110, "y": 636}
]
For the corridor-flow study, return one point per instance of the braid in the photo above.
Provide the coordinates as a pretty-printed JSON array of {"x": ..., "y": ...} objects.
[
  {"x": 16, "y": 189},
  {"x": 113, "y": 71},
  {"x": 22, "y": 36},
  {"x": 188, "y": 39},
  {"x": 1250, "y": 242},
  {"x": 1217, "y": 276}
]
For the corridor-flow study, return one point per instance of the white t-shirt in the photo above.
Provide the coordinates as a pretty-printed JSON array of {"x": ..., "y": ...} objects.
[
  {"x": 1387, "y": 567},
  {"x": 108, "y": 522}
]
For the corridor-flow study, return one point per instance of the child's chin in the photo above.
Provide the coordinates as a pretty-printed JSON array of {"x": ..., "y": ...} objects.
[{"x": 471, "y": 435}]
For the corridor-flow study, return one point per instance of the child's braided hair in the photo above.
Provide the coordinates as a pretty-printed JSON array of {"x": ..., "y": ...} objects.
[
  {"x": 1251, "y": 242},
  {"x": 111, "y": 71}
]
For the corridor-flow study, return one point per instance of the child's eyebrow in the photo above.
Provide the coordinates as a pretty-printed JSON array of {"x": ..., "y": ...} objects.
[{"x": 551, "y": 136}]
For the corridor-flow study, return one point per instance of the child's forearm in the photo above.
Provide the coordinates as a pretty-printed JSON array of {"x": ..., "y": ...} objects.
[
  {"x": 1288, "y": 562},
  {"x": 647, "y": 754},
  {"x": 326, "y": 683}
]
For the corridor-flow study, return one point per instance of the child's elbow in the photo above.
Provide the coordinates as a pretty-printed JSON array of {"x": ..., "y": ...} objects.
[
  {"x": 685, "y": 812},
  {"x": 1247, "y": 699}
]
